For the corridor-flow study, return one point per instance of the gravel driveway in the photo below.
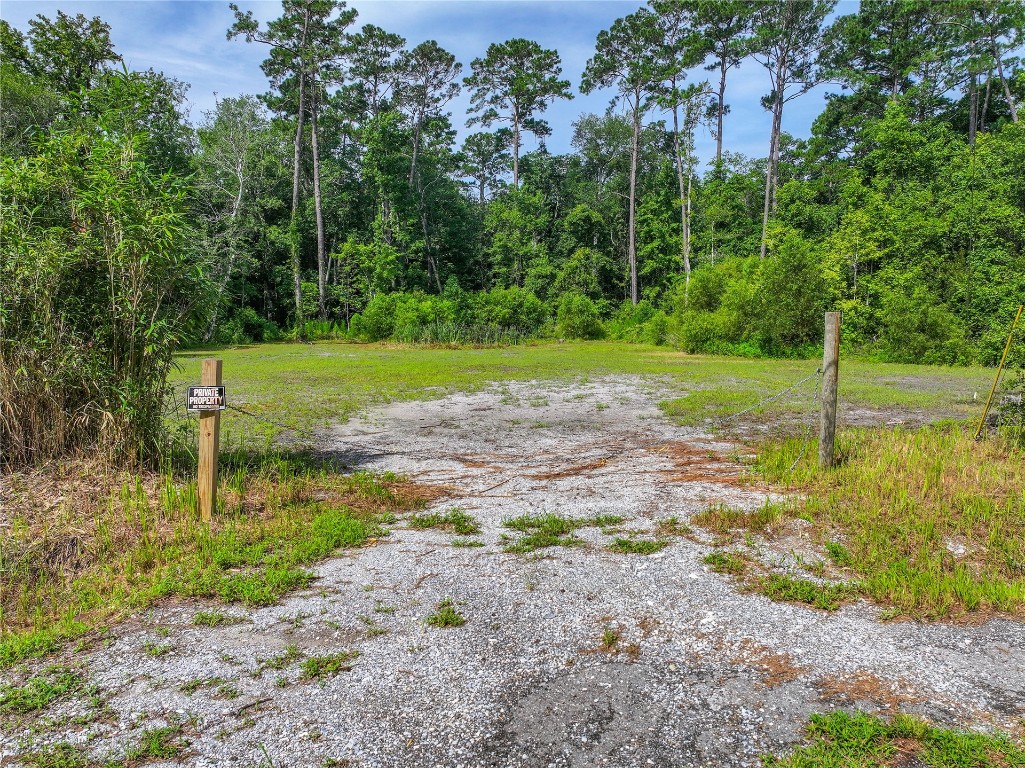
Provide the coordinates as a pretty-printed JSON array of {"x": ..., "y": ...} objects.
[{"x": 697, "y": 674}]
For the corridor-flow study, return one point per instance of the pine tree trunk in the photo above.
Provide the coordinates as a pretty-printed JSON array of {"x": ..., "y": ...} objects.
[
  {"x": 634, "y": 151},
  {"x": 1007, "y": 91},
  {"x": 319, "y": 212},
  {"x": 516, "y": 148},
  {"x": 293, "y": 224},
  {"x": 720, "y": 111},
  {"x": 684, "y": 196},
  {"x": 770, "y": 171},
  {"x": 985, "y": 101},
  {"x": 973, "y": 108}
]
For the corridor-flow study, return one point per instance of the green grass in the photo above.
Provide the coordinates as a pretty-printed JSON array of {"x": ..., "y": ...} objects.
[
  {"x": 638, "y": 546},
  {"x": 141, "y": 540},
  {"x": 932, "y": 522},
  {"x": 721, "y": 561},
  {"x": 609, "y": 638},
  {"x": 274, "y": 379},
  {"x": 154, "y": 744},
  {"x": 40, "y": 691},
  {"x": 287, "y": 657},
  {"x": 62, "y": 755},
  {"x": 843, "y": 740},
  {"x": 215, "y": 618},
  {"x": 551, "y": 530},
  {"x": 329, "y": 665},
  {"x": 446, "y": 615},
  {"x": 785, "y": 588},
  {"x": 455, "y": 519},
  {"x": 156, "y": 650}
]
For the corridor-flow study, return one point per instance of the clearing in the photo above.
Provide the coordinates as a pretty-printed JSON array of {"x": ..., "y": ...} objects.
[{"x": 556, "y": 606}]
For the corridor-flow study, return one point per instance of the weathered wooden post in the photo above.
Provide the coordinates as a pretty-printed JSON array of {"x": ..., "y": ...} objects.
[
  {"x": 209, "y": 436},
  {"x": 830, "y": 377}
]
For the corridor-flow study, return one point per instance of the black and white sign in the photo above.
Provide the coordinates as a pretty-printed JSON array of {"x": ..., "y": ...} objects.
[{"x": 205, "y": 399}]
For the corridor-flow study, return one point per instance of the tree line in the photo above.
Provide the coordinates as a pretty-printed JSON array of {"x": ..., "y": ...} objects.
[{"x": 339, "y": 203}]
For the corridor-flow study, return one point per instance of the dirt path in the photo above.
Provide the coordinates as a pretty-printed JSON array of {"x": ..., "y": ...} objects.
[{"x": 699, "y": 674}]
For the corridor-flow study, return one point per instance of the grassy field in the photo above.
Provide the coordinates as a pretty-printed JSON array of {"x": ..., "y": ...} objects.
[{"x": 311, "y": 385}]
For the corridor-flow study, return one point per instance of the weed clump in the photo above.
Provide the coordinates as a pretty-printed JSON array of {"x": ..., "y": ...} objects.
[
  {"x": 551, "y": 530},
  {"x": 318, "y": 667},
  {"x": 467, "y": 543},
  {"x": 455, "y": 519},
  {"x": 638, "y": 546},
  {"x": 61, "y": 755},
  {"x": 785, "y": 588},
  {"x": 40, "y": 691},
  {"x": 215, "y": 618},
  {"x": 446, "y": 615},
  {"x": 721, "y": 561}
]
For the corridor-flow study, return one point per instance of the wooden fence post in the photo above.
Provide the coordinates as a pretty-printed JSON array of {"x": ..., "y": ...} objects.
[
  {"x": 209, "y": 436},
  {"x": 830, "y": 378}
]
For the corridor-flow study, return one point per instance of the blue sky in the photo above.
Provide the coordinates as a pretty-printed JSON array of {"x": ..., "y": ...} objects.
[{"x": 186, "y": 39}]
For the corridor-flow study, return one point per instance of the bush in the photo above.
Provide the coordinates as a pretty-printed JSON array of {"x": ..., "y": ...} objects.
[
  {"x": 99, "y": 288},
  {"x": 640, "y": 323},
  {"x": 915, "y": 329},
  {"x": 246, "y": 327},
  {"x": 416, "y": 310},
  {"x": 377, "y": 320},
  {"x": 578, "y": 318},
  {"x": 503, "y": 315},
  {"x": 718, "y": 314},
  {"x": 506, "y": 308},
  {"x": 791, "y": 293}
]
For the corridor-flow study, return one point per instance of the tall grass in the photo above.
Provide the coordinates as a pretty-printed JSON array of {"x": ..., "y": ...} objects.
[
  {"x": 930, "y": 521},
  {"x": 459, "y": 333}
]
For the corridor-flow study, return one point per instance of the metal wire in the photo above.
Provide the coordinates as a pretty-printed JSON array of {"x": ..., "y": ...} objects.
[
  {"x": 726, "y": 419},
  {"x": 280, "y": 425}
]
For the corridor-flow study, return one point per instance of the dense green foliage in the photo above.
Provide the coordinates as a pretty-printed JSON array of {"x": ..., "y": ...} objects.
[{"x": 339, "y": 205}]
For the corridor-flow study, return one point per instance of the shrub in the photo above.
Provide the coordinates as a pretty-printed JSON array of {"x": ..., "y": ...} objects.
[
  {"x": 98, "y": 290},
  {"x": 641, "y": 323},
  {"x": 915, "y": 329},
  {"x": 246, "y": 327},
  {"x": 578, "y": 318},
  {"x": 377, "y": 320},
  {"x": 791, "y": 290},
  {"x": 506, "y": 308}
]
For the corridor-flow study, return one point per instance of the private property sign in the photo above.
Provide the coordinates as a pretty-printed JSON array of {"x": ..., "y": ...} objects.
[{"x": 205, "y": 399}]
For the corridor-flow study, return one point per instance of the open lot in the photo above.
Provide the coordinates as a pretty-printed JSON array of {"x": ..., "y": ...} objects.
[
  {"x": 310, "y": 386},
  {"x": 596, "y": 575}
]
